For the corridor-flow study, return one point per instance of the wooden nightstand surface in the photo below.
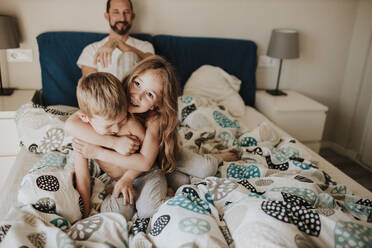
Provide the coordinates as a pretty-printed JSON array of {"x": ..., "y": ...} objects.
[{"x": 10, "y": 104}]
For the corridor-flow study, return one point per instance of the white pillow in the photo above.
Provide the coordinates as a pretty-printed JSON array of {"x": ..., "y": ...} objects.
[{"x": 214, "y": 83}]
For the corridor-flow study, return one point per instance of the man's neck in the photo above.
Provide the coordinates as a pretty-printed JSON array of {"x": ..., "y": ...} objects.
[{"x": 114, "y": 35}]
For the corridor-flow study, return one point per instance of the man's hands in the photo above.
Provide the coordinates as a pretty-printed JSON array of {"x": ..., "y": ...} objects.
[{"x": 104, "y": 53}]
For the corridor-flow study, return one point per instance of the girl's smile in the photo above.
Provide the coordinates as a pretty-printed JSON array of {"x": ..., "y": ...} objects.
[{"x": 145, "y": 92}]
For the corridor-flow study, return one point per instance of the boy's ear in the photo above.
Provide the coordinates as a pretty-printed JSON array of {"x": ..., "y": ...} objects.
[
  {"x": 106, "y": 15},
  {"x": 83, "y": 117}
]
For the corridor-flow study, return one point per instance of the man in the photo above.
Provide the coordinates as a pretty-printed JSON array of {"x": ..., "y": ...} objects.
[{"x": 118, "y": 52}]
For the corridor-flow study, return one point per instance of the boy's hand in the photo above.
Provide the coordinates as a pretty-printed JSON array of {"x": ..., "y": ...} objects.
[
  {"x": 85, "y": 149},
  {"x": 125, "y": 187},
  {"x": 126, "y": 145}
]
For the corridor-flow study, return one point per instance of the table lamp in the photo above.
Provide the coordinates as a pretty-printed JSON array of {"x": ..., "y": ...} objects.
[
  {"x": 9, "y": 38},
  {"x": 283, "y": 45}
]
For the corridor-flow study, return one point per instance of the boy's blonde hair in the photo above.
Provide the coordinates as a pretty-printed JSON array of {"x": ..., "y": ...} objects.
[
  {"x": 102, "y": 94},
  {"x": 166, "y": 108}
]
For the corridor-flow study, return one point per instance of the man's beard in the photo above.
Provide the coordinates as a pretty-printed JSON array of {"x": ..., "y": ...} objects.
[{"x": 121, "y": 31}]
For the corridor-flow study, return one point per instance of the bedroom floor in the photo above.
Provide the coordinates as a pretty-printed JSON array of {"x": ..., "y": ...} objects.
[{"x": 349, "y": 167}]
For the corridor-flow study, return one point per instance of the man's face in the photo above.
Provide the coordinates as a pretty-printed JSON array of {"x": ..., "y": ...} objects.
[{"x": 120, "y": 16}]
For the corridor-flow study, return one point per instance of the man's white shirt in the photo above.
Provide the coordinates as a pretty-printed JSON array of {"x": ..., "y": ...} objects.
[{"x": 120, "y": 62}]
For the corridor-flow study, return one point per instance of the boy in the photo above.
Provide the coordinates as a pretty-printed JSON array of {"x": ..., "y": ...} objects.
[{"x": 103, "y": 104}]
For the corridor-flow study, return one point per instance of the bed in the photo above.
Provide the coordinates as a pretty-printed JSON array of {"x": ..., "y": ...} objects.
[{"x": 280, "y": 194}]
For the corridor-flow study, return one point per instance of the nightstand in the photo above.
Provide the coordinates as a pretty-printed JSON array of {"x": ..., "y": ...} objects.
[
  {"x": 298, "y": 115},
  {"x": 9, "y": 142}
]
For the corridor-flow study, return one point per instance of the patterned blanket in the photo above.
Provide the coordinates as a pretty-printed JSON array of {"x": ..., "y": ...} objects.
[{"x": 274, "y": 196}]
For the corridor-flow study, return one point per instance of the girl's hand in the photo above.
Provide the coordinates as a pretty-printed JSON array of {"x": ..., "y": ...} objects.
[
  {"x": 125, "y": 187},
  {"x": 85, "y": 149},
  {"x": 126, "y": 145}
]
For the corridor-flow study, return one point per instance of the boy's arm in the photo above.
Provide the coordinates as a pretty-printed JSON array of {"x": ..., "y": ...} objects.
[
  {"x": 83, "y": 181},
  {"x": 74, "y": 126}
]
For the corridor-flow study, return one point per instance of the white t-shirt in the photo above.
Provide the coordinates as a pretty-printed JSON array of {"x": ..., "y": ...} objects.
[{"x": 121, "y": 62}]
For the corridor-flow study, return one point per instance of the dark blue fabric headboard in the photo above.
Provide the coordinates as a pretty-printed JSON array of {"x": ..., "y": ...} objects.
[{"x": 59, "y": 51}]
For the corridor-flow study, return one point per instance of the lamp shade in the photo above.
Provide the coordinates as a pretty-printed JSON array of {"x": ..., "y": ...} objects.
[
  {"x": 283, "y": 44},
  {"x": 9, "y": 35}
]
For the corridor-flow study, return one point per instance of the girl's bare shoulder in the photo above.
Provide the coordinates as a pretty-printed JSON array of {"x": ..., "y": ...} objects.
[{"x": 152, "y": 119}]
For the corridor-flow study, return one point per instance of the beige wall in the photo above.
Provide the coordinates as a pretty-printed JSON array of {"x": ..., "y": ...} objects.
[
  {"x": 356, "y": 92},
  {"x": 326, "y": 29}
]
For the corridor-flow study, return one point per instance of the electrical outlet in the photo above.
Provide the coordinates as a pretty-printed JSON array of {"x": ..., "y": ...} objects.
[
  {"x": 19, "y": 55},
  {"x": 266, "y": 61}
]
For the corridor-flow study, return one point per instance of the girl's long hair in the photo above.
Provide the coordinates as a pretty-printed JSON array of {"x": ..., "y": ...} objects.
[{"x": 166, "y": 110}]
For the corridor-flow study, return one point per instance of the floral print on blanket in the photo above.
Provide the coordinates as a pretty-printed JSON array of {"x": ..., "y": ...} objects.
[
  {"x": 274, "y": 195},
  {"x": 40, "y": 128}
]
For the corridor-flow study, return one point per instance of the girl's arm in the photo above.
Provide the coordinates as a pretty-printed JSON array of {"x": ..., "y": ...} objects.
[
  {"x": 75, "y": 127},
  {"x": 141, "y": 161}
]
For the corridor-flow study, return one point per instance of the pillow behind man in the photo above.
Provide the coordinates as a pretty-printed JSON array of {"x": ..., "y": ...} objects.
[{"x": 214, "y": 83}]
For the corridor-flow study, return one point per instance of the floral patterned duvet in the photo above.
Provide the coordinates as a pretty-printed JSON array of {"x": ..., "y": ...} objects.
[{"x": 274, "y": 196}]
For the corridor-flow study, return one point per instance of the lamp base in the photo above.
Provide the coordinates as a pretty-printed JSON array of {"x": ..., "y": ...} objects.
[
  {"x": 276, "y": 92},
  {"x": 6, "y": 91}
]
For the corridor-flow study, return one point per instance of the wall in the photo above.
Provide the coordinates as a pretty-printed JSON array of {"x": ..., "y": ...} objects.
[
  {"x": 326, "y": 28},
  {"x": 366, "y": 142},
  {"x": 356, "y": 93}
]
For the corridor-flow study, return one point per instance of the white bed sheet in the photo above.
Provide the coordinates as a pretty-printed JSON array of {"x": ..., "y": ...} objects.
[{"x": 8, "y": 194}]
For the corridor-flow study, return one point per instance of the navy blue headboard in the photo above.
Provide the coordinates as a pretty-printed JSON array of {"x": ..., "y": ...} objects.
[{"x": 59, "y": 51}]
